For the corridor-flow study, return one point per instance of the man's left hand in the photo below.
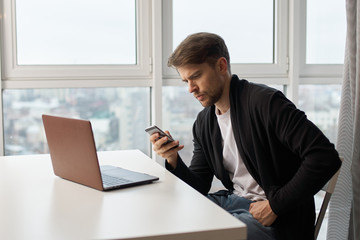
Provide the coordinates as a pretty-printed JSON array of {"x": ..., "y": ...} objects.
[{"x": 262, "y": 212}]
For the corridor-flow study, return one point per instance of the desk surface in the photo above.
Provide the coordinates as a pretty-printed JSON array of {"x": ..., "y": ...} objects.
[{"x": 35, "y": 204}]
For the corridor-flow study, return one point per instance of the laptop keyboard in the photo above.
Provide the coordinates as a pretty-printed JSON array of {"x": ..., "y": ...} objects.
[{"x": 112, "y": 181}]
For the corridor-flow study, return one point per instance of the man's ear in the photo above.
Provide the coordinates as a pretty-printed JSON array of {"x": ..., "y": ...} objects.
[{"x": 222, "y": 65}]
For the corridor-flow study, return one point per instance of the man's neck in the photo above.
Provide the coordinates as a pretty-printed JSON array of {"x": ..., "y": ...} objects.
[{"x": 223, "y": 104}]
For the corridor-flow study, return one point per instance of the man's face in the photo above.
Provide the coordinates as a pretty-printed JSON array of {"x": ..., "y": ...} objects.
[{"x": 204, "y": 82}]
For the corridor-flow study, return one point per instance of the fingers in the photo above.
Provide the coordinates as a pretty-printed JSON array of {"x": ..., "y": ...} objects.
[
  {"x": 153, "y": 137},
  {"x": 168, "y": 133},
  {"x": 171, "y": 153},
  {"x": 161, "y": 148},
  {"x": 158, "y": 141},
  {"x": 161, "y": 145},
  {"x": 262, "y": 212}
]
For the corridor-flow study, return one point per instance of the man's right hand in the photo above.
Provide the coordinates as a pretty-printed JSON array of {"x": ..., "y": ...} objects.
[{"x": 168, "y": 151}]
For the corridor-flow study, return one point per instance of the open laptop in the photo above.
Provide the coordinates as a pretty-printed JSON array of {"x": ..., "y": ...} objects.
[{"x": 74, "y": 157}]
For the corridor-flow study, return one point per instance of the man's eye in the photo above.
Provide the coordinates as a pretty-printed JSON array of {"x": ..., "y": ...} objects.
[{"x": 196, "y": 76}]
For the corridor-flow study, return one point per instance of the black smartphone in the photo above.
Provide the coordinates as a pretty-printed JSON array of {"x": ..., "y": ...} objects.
[{"x": 154, "y": 129}]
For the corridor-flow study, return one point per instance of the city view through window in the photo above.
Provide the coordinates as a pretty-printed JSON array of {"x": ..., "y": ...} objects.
[{"x": 120, "y": 115}]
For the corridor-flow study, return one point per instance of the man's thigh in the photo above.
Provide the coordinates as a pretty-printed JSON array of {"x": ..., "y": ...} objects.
[
  {"x": 230, "y": 202},
  {"x": 239, "y": 208}
]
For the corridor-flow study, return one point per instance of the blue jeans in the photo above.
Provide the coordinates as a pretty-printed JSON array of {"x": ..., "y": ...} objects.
[{"x": 239, "y": 208}]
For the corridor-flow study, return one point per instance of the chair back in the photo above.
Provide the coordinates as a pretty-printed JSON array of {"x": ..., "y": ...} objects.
[{"x": 329, "y": 189}]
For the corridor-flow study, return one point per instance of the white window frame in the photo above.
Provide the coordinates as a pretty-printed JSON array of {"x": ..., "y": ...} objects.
[
  {"x": 13, "y": 72},
  {"x": 315, "y": 73},
  {"x": 275, "y": 73},
  {"x": 301, "y": 73}
]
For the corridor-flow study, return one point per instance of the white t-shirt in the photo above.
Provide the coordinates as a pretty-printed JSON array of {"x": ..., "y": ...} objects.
[{"x": 244, "y": 184}]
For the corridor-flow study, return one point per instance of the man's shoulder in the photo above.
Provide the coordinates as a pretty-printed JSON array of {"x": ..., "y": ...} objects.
[
  {"x": 244, "y": 89},
  {"x": 244, "y": 84}
]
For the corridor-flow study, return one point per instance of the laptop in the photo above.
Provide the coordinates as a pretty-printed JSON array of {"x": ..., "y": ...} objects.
[{"x": 74, "y": 156}]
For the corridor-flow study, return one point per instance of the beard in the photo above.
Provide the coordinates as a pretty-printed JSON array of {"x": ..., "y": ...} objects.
[{"x": 210, "y": 98}]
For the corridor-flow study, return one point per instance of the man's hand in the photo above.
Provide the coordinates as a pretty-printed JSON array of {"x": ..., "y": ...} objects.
[
  {"x": 262, "y": 212},
  {"x": 167, "y": 151}
]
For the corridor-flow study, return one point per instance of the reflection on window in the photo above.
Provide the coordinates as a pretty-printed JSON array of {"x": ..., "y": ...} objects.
[
  {"x": 246, "y": 26},
  {"x": 67, "y": 32},
  {"x": 321, "y": 103},
  {"x": 118, "y": 116},
  {"x": 325, "y": 31}
]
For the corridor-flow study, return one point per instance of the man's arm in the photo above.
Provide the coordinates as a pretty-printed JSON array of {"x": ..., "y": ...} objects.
[{"x": 319, "y": 158}]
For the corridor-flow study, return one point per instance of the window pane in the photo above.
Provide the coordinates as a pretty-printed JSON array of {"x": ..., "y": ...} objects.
[
  {"x": 68, "y": 32},
  {"x": 325, "y": 31},
  {"x": 247, "y": 29},
  {"x": 321, "y": 103},
  {"x": 118, "y": 116},
  {"x": 180, "y": 109}
]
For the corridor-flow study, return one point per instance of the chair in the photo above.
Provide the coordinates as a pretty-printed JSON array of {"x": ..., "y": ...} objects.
[{"x": 329, "y": 189}]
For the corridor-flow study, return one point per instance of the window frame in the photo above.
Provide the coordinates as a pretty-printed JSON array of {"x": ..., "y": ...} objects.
[
  {"x": 315, "y": 73},
  {"x": 13, "y": 71},
  {"x": 270, "y": 73}
]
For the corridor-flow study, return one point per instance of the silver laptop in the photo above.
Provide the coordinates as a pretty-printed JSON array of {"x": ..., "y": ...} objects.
[{"x": 74, "y": 157}]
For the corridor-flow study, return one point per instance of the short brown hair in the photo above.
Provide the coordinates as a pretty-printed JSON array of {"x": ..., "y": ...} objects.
[{"x": 200, "y": 48}]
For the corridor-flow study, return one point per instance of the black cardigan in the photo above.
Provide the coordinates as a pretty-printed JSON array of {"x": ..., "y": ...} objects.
[{"x": 285, "y": 153}]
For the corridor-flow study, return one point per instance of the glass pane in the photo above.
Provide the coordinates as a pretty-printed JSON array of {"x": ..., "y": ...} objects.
[
  {"x": 321, "y": 103},
  {"x": 70, "y": 32},
  {"x": 118, "y": 116},
  {"x": 325, "y": 31},
  {"x": 180, "y": 109},
  {"x": 247, "y": 28}
]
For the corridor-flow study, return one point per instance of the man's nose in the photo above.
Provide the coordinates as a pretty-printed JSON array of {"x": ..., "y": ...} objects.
[{"x": 192, "y": 87}]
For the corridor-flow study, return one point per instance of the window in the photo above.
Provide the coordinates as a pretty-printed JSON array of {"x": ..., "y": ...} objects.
[
  {"x": 118, "y": 116},
  {"x": 75, "y": 39},
  {"x": 321, "y": 104},
  {"x": 256, "y": 37},
  {"x": 325, "y": 29},
  {"x": 251, "y": 41},
  {"x": 321, "y": 29},
  {"x": 82, "y": 59},
  {"x": 81, "y": 32},
  {"x": 321, "y": 71}
]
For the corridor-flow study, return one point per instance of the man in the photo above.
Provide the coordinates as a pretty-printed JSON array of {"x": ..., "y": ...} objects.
[{"x": 268, "y": 155}]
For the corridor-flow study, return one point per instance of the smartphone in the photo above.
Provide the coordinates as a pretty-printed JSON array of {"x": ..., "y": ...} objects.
[{"x": 154, "y": 129}]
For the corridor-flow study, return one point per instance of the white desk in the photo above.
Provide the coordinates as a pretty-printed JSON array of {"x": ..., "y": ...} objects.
[{"x": 35, "y": 204}]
